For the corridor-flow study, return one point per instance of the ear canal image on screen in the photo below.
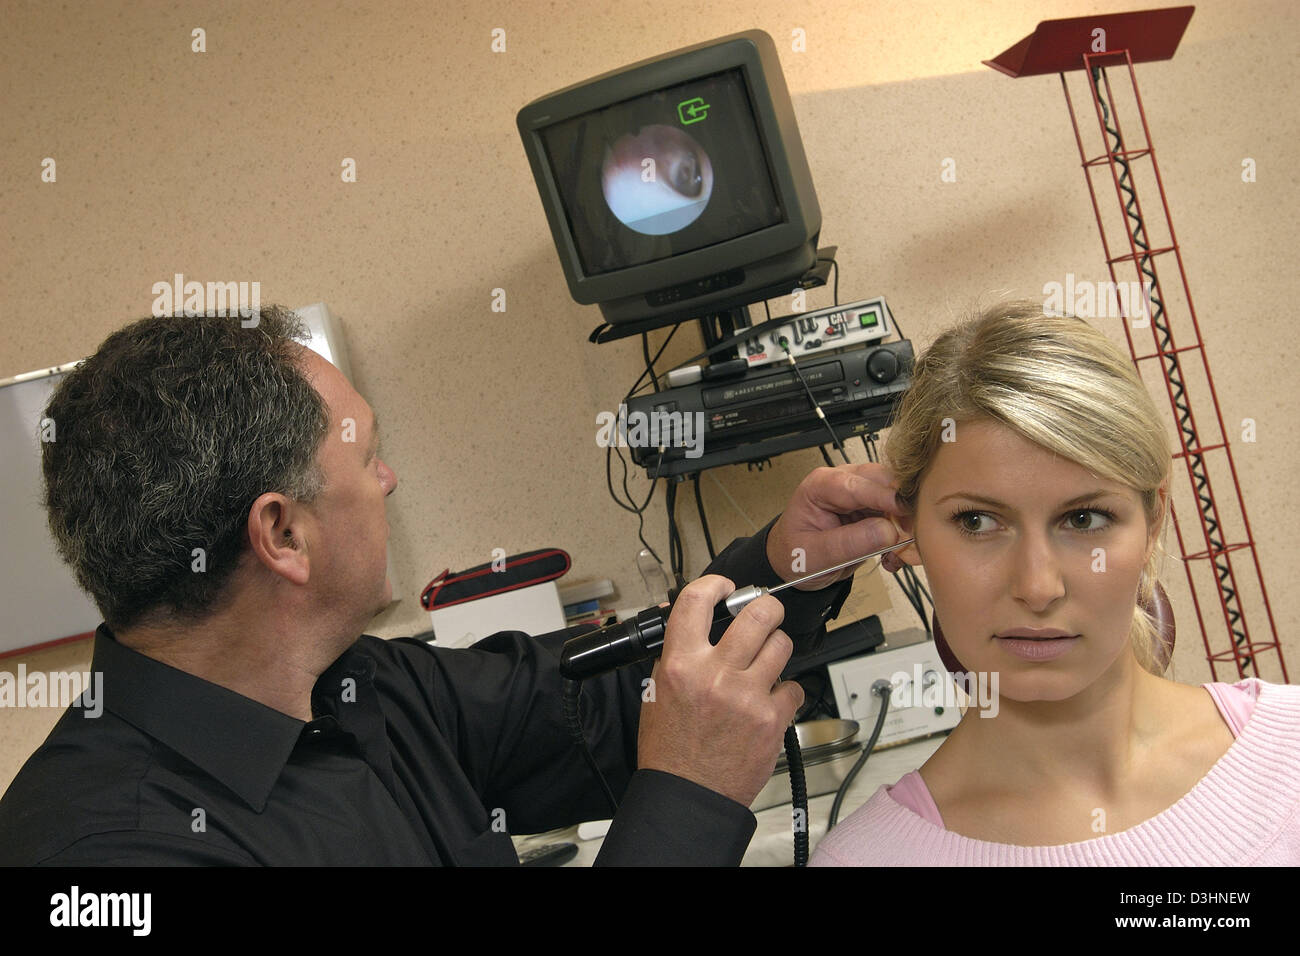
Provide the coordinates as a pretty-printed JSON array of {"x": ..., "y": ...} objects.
[
  {"x": 662, "y": 174},
  {"x": 657, "y": 180}
]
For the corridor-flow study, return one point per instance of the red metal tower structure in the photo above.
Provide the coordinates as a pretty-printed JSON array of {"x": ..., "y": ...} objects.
[{"x": 1090, "y": 45}]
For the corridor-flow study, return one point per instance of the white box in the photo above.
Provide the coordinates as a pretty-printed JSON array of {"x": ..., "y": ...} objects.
[
  {"x": 534, "y": 610},
  {"x": 900, "y": 661}
]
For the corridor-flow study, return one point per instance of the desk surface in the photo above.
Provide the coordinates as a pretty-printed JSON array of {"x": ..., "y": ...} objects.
[{"x": 773, "y": 842}]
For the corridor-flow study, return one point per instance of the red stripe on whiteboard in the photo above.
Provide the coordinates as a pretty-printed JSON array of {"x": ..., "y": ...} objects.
[{"x": 48, "y": 644}]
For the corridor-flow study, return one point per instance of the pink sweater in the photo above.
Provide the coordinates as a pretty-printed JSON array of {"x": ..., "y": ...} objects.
[{"x": 1244, "y": 812}]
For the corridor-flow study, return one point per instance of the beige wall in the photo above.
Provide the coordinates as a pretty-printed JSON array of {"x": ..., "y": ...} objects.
[{"x": 226, "y": 166}]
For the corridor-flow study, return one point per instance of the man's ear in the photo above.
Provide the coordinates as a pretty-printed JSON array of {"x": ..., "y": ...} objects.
[{"x": 275, "y": 526}]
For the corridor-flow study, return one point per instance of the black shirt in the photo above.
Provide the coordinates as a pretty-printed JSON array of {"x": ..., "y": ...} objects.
[{"x": 415, "y": 755}]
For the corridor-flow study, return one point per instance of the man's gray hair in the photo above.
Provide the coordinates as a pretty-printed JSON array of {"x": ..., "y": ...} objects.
[{"x": 163, "y": 440}]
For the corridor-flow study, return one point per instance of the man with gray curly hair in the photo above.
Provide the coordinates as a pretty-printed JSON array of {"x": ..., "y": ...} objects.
[{"x": 219, "y": 492}]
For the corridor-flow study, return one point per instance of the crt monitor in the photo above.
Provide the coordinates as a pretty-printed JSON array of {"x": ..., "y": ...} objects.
[{"x": 677, "y": 186}]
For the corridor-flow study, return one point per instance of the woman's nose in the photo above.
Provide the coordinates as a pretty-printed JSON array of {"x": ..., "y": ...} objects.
[{"x": 1037, "y": 578}]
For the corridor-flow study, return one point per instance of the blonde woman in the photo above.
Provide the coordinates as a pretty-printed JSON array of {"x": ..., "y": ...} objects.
[{"x": 1036, "y": 469}]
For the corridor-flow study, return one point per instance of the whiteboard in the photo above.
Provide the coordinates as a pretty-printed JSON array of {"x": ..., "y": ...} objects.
[{"x": 40, "y": 598}]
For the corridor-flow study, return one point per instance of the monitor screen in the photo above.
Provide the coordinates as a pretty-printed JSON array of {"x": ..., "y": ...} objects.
[{"x": 664, "y": 173}]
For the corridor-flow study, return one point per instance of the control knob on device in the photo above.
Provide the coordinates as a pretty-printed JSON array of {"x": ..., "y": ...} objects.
[{"x": 882, "y": 365}]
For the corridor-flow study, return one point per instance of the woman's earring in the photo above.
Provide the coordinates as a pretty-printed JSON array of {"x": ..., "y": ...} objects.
[{"x": 946, "y": 655}]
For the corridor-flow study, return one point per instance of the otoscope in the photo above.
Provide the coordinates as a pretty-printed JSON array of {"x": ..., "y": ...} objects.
[{"x": 642, "y": 637}]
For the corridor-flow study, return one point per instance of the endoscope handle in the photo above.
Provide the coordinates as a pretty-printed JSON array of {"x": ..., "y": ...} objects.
[
  {"x": 725, "y": 611},
  {"x": 641, "y": 638},
  {"x": 615, "y": 645}
]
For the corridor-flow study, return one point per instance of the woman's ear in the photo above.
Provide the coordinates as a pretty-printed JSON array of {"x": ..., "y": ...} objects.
[
  {"x": 894, "y": 560},
  {"x": 1162, "y": 518},
  {"x": 909, "y": 554}
]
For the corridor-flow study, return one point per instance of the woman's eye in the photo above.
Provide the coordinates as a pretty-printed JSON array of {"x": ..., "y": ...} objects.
[
  {"x": 1092, "y": 520},
  {"x": 968, "y": 522},
  {"x": 1087, "y": 521}
]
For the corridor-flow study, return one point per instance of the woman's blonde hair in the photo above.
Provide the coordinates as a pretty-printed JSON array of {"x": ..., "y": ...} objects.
[{"x": 1057, "y": 382}]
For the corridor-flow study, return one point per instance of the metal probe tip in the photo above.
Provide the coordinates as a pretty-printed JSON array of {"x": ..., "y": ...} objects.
[
  {"x": 743, "y": 596},
  {"x": 841, "y": 567}
]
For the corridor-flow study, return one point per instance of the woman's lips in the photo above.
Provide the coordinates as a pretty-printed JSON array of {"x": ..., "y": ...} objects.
[
  {"x": 1037, "y": 648},
  {"x": 1036, "y": 632}
]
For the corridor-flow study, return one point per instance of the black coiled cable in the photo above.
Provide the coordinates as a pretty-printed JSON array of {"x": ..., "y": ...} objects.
[
  {"x": 794, "y": 756},
  {"x": 573, "y": 719},
  {"x": 798, "y": 795}
]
